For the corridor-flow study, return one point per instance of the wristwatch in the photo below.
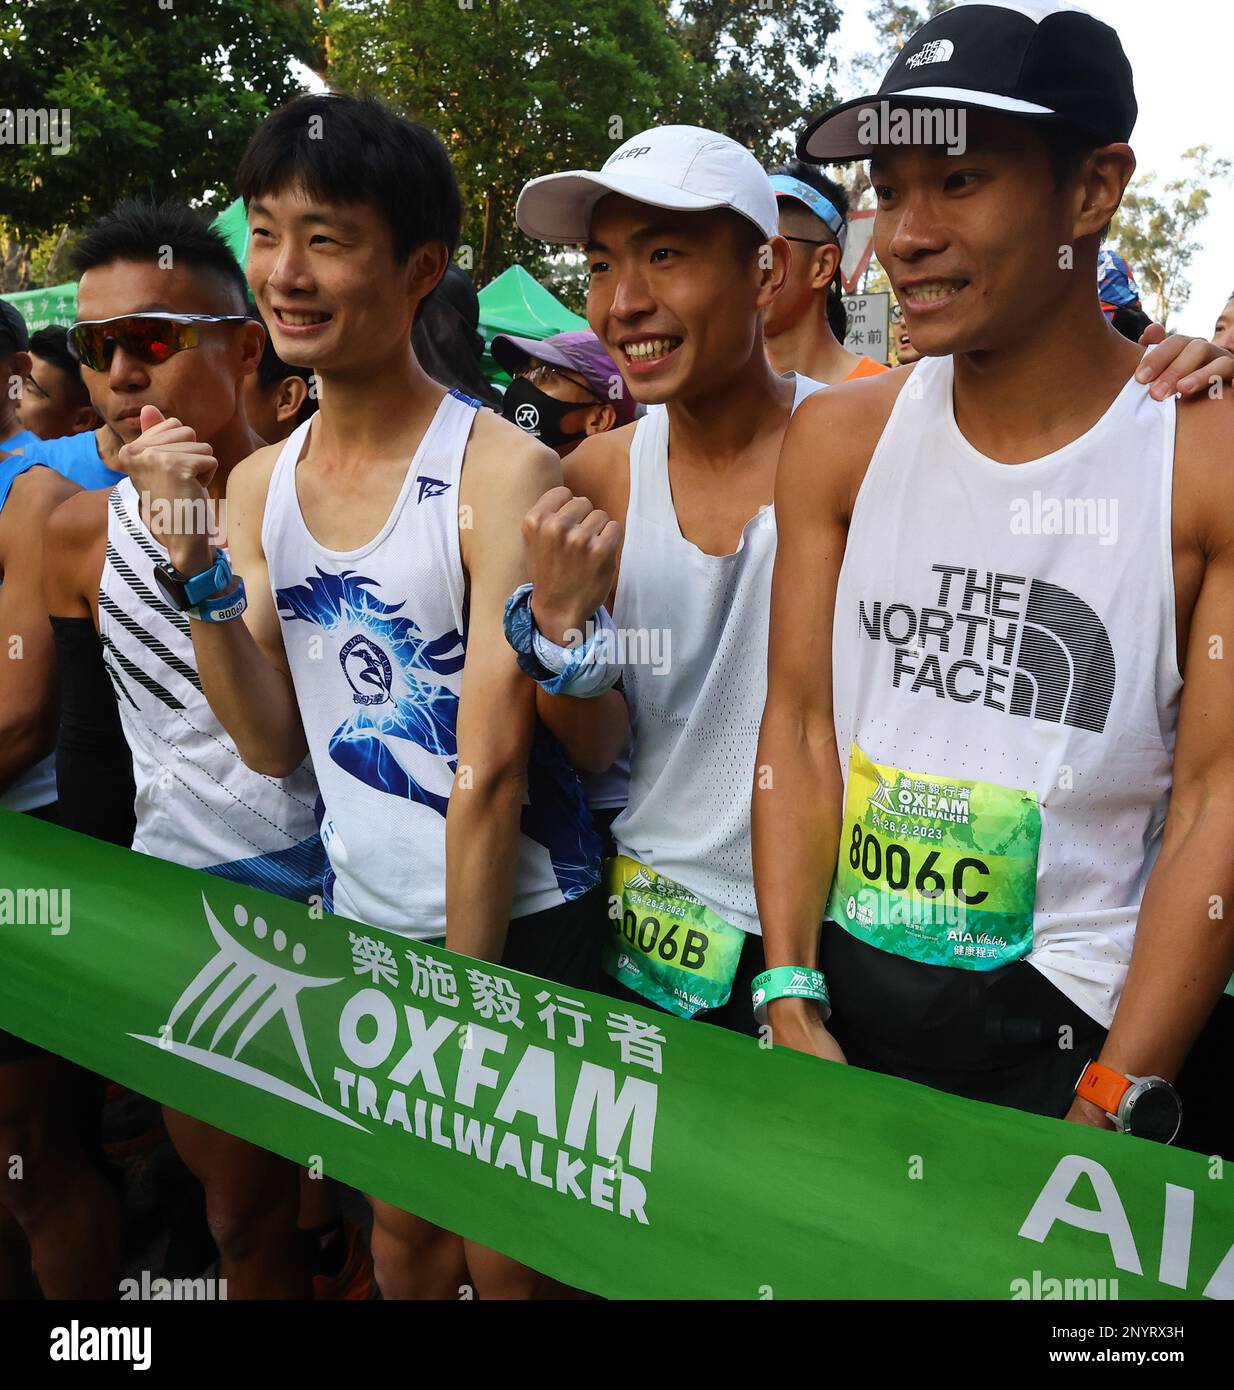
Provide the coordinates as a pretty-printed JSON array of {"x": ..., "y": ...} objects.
[
  {"x": 203, "y": 595},
  {"x": 1145, "y": 1106}
]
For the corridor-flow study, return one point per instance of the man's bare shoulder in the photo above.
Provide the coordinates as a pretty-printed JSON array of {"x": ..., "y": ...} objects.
[
  {"x": 80, "y": 518},
  {"x": 250, "y": 478},
  {"x": 599, "y": 469},
  {"x": 505, "y": 459},
  {"x": 1204, "y": 470},
  {"x": 834, "y": 432},
  {"x": 855, "y": 412},
  {"x": 34, "y": 496}
]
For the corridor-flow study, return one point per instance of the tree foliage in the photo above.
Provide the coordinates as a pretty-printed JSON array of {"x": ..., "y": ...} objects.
[
  {"x": 519, "y": 90},
  {"x": 1156, "y": 225},
  {"x": 163, "y": 95}
]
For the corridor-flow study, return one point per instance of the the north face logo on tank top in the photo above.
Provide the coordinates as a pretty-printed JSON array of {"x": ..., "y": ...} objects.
[
  {"x": 1017, "y": 645},
  {"x": 1029, "y": 670}
]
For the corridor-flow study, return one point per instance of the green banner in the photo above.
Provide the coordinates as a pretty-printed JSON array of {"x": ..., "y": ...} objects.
[{"x": 624, "y": 1151}]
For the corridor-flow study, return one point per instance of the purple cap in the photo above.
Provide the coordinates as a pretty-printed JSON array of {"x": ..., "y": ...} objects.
[{"x": 580, "y": 352}]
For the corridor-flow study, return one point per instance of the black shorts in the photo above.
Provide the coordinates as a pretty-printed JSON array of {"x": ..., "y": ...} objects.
[
  {"x": 560, "y": 944},
  {"x": 1005, "y": 1036},
  {"x": 15, "y": 1049},
  {"x": 736, "y": 1013}
]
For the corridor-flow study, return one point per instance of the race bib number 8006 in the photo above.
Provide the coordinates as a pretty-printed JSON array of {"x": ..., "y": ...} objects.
[{"x": 938, "y": 869}]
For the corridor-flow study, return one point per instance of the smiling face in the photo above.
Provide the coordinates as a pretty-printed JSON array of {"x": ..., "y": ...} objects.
[
  {"x": 675, "y": 297},
  {"x": 328, "y": 284},
  {"x": 972, "y": 243},
  {"x": 199, "y": 385}
]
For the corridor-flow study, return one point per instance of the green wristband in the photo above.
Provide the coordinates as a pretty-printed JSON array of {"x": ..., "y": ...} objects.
[{"x": 790, "y": 982}]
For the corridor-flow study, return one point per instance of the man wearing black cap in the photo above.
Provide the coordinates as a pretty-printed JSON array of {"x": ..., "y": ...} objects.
[{"x": 985, "y": 604}]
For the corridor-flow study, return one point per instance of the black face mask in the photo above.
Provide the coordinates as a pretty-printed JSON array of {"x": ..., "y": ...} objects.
[{"x": 532, "y": 411}]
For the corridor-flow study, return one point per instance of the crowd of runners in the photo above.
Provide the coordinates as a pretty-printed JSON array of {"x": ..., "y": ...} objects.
[{"x": 904, "y": 688}]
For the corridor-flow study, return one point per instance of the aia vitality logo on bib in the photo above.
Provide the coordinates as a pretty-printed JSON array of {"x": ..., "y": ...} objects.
[{"x": 1018, "y": 645}]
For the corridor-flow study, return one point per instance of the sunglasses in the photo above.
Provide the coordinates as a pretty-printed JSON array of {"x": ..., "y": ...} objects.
[
  {"x": 544, "y": 375},
  {"x": 150, "y": 338}
]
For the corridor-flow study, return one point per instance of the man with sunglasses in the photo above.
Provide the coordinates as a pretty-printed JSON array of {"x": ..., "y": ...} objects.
[
  {"x": 565, "y": 388},
  {"x": 165, "y": 350}
]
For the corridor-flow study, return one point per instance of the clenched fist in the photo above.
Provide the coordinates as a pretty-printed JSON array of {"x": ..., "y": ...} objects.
[
  {"x": 572, "y": 555},
  {"x": 171, "y": 470}
]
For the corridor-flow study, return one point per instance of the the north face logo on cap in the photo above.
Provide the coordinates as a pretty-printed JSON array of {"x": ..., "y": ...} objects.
[{"x": 937, "y": 51}]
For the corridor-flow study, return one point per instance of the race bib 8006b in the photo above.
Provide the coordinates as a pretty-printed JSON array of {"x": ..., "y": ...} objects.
[
  {"x": 938, "y": 869},
  {"x": 665, "y": 944}
]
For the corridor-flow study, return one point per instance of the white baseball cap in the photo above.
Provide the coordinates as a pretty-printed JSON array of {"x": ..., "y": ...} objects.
[{"x": 670, "y": 166}]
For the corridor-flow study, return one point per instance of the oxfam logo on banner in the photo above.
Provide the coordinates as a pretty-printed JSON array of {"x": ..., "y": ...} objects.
[{"x": 237, "y": 988}]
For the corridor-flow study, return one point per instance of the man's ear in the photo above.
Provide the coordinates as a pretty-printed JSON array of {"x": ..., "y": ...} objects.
[
  {"x": 292, "y": 393},
  {"x": 826, "y": 264},
  {"x": 1106, "y": 174},
  {"x": 252, "y": 345},
  {"x": 425, "y": 267},
  {"x": 601, "y": 419},
  {"x": 774, "y": 257},
  {"x": 84, "y": 419}
]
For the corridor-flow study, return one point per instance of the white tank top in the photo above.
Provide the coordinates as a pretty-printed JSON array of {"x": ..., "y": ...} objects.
[
  {"x": 695, "y": 720},
  {"x": 197, "y": 803},
  {"x": 1032, "y": 651},
  {"x": 375, "y": 640}
]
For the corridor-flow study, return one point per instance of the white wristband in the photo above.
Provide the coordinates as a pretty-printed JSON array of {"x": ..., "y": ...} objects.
[{"x": 585, "y": 671}]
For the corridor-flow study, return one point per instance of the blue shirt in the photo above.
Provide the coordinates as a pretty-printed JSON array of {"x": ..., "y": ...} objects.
[
  {"x": 76, "y": 457},
  {"x": 31, "y": 447}
]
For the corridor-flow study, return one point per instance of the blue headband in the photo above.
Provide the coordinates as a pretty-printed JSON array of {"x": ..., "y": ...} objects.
[{"x": 814, "y": 200}]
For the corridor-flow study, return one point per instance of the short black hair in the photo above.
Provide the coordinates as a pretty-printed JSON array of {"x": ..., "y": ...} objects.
[
  {"x": 272, "y": 369},
  {"x": 51, "y": 344},
  {"x": 138, "y": 229},
  {"x": 360, "y": 151},
  {"x": 1067, "y": 147},
  {"x": 837, "y": 195}
]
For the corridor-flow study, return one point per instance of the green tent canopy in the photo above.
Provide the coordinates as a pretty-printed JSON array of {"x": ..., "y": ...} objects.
[
  {"x": 58, "y": 303},
  {"x": 516, "y": 303}
]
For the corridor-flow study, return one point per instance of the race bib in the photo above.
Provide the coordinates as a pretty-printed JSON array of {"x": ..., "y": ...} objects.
[
  {"x": 937, "y": 869},
  {"x": 666, "y": 945}
]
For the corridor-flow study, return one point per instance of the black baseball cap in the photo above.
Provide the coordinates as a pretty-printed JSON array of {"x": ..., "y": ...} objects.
[
  {"x": 13, "y": 334},
  {"x": 1039, "y": 59}
]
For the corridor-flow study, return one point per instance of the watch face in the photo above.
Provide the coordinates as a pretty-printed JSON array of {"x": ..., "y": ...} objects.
[
  {"x": 172, "y": 589},
  {"x": 1155, "y": 1114}
]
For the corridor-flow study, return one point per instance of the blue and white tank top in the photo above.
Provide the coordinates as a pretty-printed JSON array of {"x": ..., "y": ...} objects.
[{"x": 375, "y": 640}]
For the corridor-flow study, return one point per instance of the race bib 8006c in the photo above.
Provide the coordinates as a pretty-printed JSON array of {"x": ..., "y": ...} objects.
[
  {"x": 938, "y": 869},
  {"x": 665, "y": 944}
]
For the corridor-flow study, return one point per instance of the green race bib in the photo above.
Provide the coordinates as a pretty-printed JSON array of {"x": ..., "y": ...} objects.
[
  {"x": 665, "y": 944},
  {"x": 937, "y": 869}
]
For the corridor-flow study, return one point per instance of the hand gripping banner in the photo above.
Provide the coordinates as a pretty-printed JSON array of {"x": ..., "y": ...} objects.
[{"x": 627, "y": 1152}]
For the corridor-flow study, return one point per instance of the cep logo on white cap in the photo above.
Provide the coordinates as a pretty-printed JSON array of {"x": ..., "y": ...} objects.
[{"x": 681, "y": 167}]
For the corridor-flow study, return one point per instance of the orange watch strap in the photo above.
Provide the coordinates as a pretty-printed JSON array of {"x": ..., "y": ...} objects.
[{"x": 1103, "y": 1086}]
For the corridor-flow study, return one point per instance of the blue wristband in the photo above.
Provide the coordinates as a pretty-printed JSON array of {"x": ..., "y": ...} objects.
[
  {"x": 210, "y": 581},
  {"x": 223, "y": 607}
]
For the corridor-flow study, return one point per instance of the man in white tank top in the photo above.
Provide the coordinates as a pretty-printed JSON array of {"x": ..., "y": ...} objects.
[
  {"x": 376, "y": 546},
  {"x": 995, "y": 569},
  {"x": 681, "y": 228}
]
